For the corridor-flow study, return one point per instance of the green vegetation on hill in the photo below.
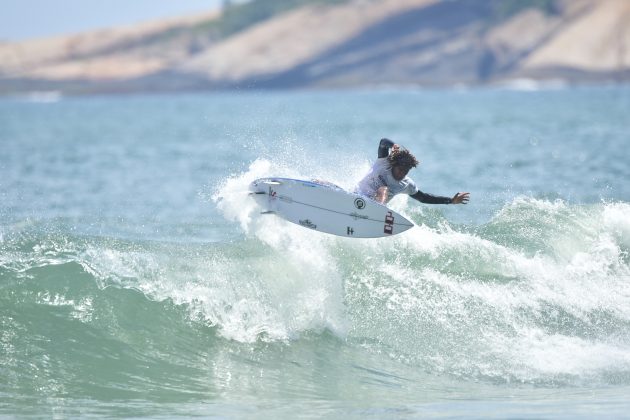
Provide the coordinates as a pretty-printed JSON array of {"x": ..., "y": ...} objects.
[
  {"x": 504, "y": 9},
  {"x": 240, "y": 16},
  {"x": 237, "y": 17}
]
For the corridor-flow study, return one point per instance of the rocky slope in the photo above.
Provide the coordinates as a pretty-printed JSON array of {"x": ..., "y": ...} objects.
[{"x": 347, "y": 43}]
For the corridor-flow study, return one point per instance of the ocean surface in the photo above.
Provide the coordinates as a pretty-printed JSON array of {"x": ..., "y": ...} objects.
[{"x": 137, "y": 278}]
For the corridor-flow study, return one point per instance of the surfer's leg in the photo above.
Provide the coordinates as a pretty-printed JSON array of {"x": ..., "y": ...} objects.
[{"x": 381, "y": 195}]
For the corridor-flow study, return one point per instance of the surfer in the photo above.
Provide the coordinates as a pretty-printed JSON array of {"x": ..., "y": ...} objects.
[{"x": 388, "y": 177}]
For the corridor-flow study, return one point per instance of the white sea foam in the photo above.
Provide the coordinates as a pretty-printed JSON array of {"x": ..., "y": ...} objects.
[
  {"x": 451, "y": 301},
  {"x": 82, "y": 309},
  {"x": 499, "y": 312}
]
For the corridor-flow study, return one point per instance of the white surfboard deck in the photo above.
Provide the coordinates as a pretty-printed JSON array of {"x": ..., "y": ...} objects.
[{"x": 326, "y": 208}]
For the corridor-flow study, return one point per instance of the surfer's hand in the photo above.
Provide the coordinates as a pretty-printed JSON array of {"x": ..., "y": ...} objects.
[
  {"x": 460, "y": 198},
  {"x": 395, "y": 148}
]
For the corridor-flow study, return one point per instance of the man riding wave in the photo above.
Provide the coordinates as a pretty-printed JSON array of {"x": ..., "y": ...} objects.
[{"x": 388, "y": 177}]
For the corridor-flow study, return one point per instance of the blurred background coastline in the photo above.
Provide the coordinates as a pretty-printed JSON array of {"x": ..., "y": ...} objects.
[{"x": 331, "y": 44}]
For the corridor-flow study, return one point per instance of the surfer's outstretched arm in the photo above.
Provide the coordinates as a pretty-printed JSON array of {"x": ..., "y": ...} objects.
[{"x": 459, "y": 198}]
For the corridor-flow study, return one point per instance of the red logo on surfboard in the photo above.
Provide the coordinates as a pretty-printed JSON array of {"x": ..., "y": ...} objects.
[{"x": 389, "y": 223}]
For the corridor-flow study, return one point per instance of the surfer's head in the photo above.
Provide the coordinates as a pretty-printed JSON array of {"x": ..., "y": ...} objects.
[{"x": 401, "y": 161}]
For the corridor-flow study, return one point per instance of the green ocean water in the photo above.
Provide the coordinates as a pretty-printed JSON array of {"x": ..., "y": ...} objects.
[{"x": 137, "y": 279}]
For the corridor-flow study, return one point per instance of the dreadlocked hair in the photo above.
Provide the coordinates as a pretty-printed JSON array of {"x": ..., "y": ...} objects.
[{"x": 402, "y": 158}]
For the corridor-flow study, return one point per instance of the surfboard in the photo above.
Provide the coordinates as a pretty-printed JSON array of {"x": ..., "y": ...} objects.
[{"x": 326, "y": 208}]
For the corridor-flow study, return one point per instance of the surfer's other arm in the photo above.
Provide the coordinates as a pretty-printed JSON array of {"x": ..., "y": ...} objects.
[
  {"x": 459, "y": 198},
  {"x": 383, "y": 148}
]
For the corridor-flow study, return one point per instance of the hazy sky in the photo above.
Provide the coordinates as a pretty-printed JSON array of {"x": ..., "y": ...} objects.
[{"x": 22, "y": 19}]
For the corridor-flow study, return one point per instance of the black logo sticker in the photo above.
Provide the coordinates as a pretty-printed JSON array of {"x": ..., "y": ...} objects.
[
  {"x": 359, "y": 203},
  {"x": 307, "y": 223}
]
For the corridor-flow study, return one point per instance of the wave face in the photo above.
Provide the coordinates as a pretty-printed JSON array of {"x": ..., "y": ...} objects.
[
  {"x": 540, "y": 295},
  {"x": 504, "y": 301}
]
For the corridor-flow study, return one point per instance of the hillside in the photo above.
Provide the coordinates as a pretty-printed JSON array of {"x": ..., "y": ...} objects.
[{"x": 335, "y": 43}]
